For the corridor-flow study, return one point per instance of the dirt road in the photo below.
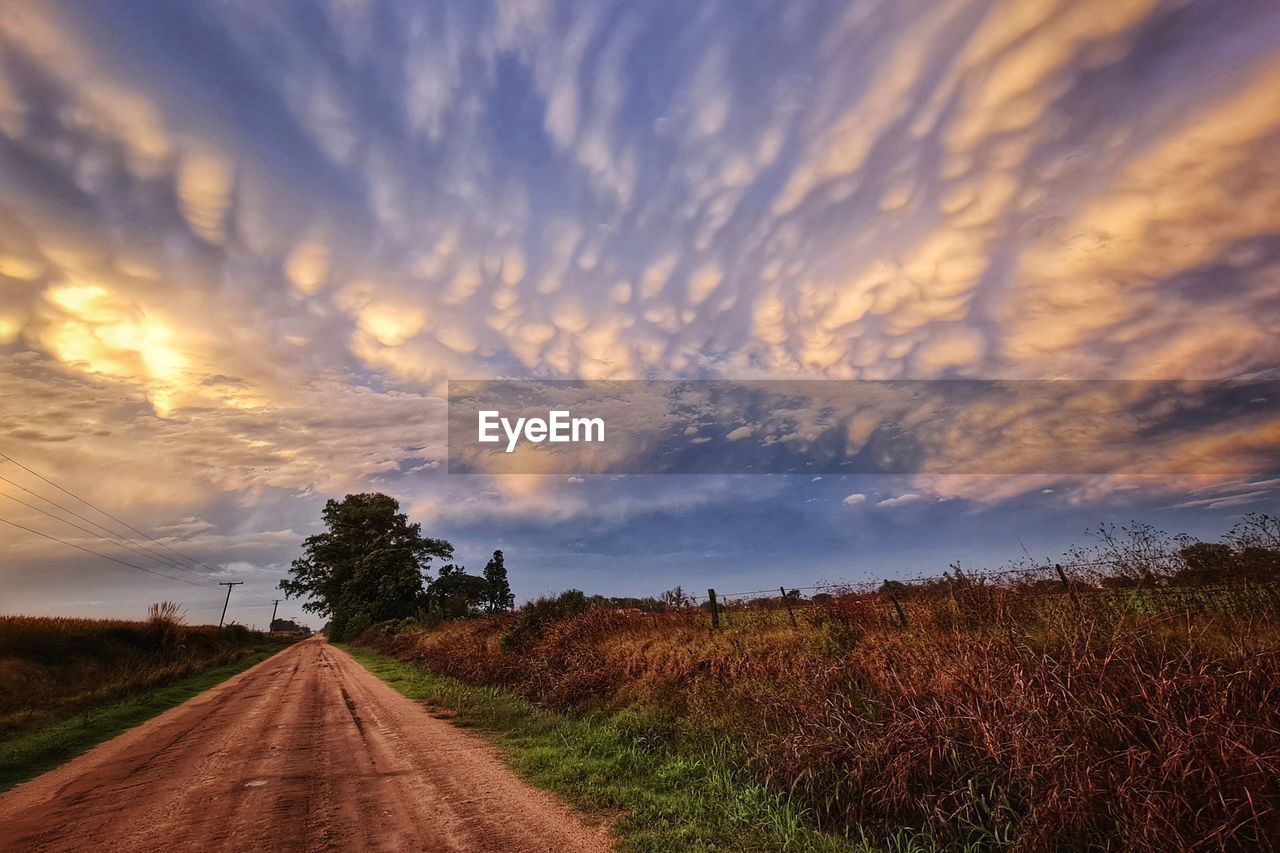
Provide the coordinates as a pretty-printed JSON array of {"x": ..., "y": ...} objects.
[{"x": 306, "y": 751}]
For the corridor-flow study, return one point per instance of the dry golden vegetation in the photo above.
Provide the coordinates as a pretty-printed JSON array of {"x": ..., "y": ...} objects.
[
  {"x": 1136, "y": 706},
  {"x": 52, "y": 666}
]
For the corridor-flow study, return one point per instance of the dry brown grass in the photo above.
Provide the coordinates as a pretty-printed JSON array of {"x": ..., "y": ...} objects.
[
  {"x": 1000, "y": 713},
  {"x": 52, "y": 666}
]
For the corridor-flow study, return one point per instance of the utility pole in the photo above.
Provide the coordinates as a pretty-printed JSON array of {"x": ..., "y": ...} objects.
[
  {"x": 228, "y": 585},
  {"x": 274, "y": 605}
]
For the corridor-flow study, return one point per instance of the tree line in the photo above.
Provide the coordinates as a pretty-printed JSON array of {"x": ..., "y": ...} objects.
[{"x": 372, "y": 565}]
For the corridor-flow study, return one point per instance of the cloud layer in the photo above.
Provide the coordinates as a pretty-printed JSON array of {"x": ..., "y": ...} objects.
[{"x": 242, "y": 246}]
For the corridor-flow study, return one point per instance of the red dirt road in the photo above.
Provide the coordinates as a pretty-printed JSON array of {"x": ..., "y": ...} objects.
[{"x": 305, "y": 751}]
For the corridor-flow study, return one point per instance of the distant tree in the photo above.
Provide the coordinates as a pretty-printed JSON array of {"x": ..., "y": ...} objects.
[
  {"x": 1256, "y": 541},
  {"x": 288, "y": 626},
  {"x": 455, "y": 593},
  {"x": 648, "y": 604},
  {"x": 675, "y": 598},
  {"x": 1261, "y": 564},
  {"x": 495, "y": 573},
  {"x": 1206, "y": 562},
  {"x": 894, "y": 588},
  {"x": 366, "y": 567}
]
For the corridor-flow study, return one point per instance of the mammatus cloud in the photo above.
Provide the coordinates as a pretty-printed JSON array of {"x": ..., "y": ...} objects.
[{"x": 247, "y": 270}]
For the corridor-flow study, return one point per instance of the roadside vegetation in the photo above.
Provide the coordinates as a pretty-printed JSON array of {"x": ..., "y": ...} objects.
[
  {"x": 53, "y": 666},
  {"x": 28, "y": 751},
  {"x": 67, "y": 684},
  {"x": 659, "y": 798},
  {"x": 1126, "y": 698}
]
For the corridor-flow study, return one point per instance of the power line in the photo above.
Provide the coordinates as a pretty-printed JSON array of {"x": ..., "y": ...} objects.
[
  {"x": 105, "y": 556},
  {"x": 104, "y": 512},
  {"x": 71, "y": 523},
  {"x": 141, "y": 550},
  {"x": 132, "y": 544},
  {"x": 251, "y": 603}
]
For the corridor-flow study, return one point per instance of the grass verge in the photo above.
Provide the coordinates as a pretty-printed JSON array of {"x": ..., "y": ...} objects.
[
  {"x": 29, "y": 751},
  {"x": 660, "y": 799}
]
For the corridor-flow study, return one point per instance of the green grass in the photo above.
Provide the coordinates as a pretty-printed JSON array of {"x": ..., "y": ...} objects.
[
  {"x": 29, "y": 751},
  {"x": 659, "y": 798}
]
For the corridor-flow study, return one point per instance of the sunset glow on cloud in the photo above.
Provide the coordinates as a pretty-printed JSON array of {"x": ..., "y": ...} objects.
[{"x": 243, "y": 247}]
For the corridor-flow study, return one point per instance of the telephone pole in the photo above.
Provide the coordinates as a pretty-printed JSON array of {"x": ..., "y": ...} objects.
[
  {"x": 228, "y": 585},
  {"x": 274, "y": 605}
]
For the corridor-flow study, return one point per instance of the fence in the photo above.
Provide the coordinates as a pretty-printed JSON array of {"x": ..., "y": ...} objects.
[{"x": 1081, "y": 582}]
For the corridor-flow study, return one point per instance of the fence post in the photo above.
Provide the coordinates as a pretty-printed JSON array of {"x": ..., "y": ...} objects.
[
  {"x": 1062, "y": 576},
  {"x": 897, "y": 606},
  {"x": 787, "y": 601},
  {"x": 715, "y": 608}
]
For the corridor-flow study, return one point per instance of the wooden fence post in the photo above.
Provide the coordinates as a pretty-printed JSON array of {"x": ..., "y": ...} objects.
[
  {"x": 715, "y": 608},
  {"x": 897, "y": 606},
  {"x": 902, "y": 614},
  {"x": 1062, "y": 576},
  {"x": 787, "y": 601}
]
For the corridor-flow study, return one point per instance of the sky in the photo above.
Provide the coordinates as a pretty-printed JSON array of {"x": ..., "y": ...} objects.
[{"x": 244, "y": 246}]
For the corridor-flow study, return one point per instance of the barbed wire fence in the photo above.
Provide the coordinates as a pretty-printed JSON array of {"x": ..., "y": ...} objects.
[{"x": 1076, "y": 579}]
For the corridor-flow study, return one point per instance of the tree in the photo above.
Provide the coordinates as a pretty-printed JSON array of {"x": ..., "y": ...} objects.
[
  {"x": 288, "y": 626},
  {"x": 455, "y": 593},
  {"x": 1256, "y": 541},
  {"x": 894, "y": 588},
  {"x": 1206, "y": 562},
  {"x": 368, "y": 566},
  {"x": 495, "y": 574},
  {"x": 675, "y": 598}
]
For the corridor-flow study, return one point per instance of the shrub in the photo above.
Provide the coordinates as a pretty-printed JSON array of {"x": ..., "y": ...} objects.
[
  {"x": 533, "y": 618},
  {"x": 164, "y": 631}
]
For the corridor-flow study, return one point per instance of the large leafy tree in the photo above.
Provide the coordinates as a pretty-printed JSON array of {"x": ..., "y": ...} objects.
[{"x": 367, "y": 566}]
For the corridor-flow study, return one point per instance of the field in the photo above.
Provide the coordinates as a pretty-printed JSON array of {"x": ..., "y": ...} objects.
[
  {"x": 1135, "y": 709},
  {"x": 51, "y": 668}
]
